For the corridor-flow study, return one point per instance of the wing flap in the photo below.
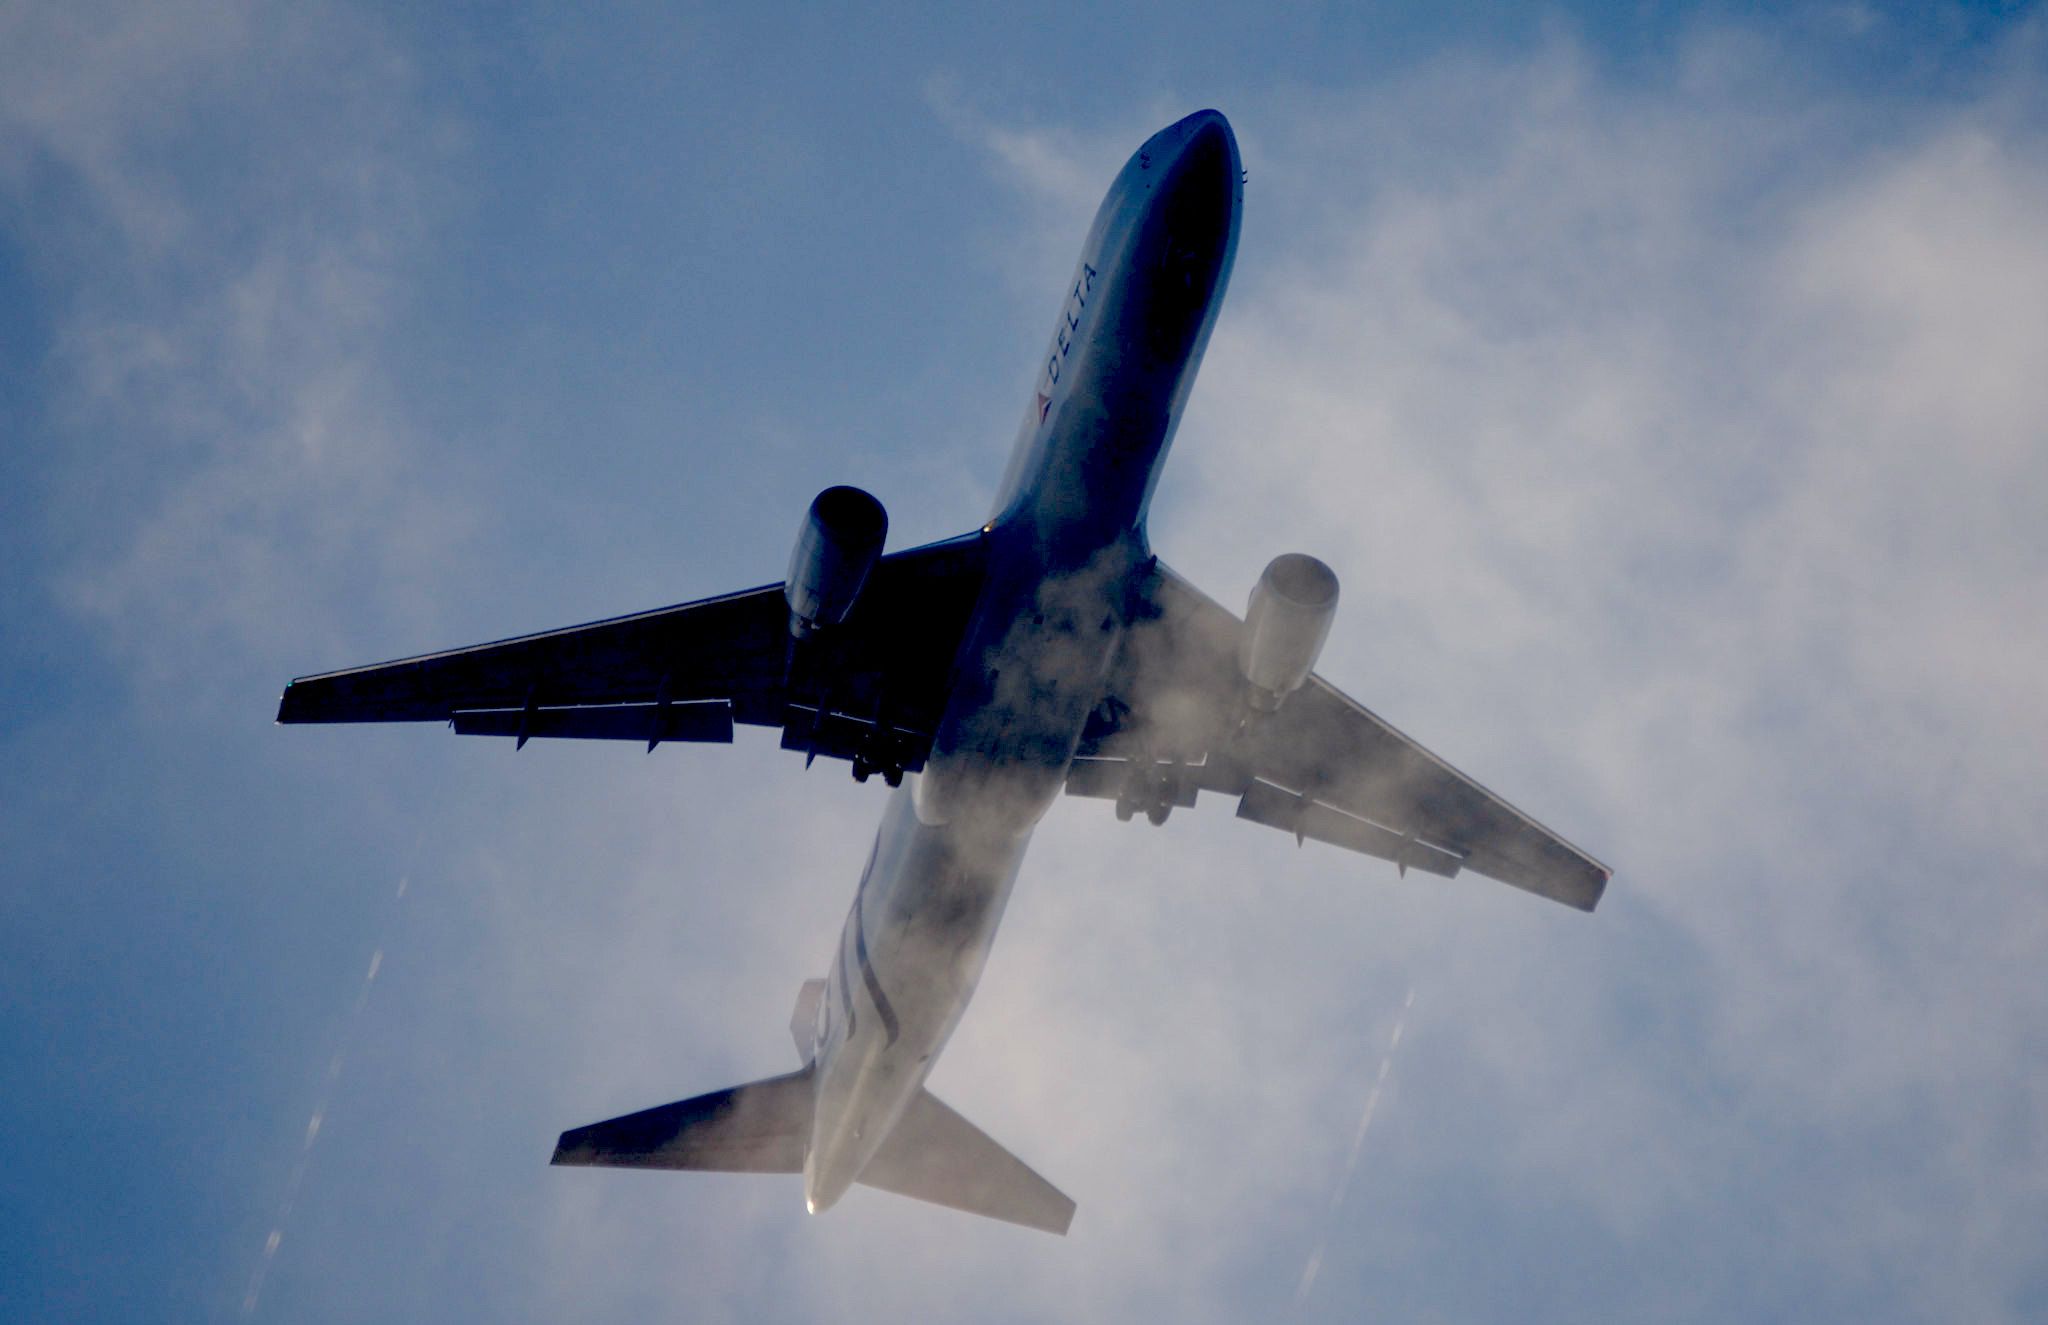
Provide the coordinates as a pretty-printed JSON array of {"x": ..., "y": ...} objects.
[
  {"x": 704, "y": 721},
  {"x": 1117, "y": 779},
  {"x": 843, "y": 736},
  {"x": 1102, "y": 779},
  {"x": 1267, "y": 804}
]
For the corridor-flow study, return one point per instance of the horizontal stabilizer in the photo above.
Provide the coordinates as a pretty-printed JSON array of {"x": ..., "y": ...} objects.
[
  {"x": 761, "y": 1127},
  {"x": 933, "y": 1154}
]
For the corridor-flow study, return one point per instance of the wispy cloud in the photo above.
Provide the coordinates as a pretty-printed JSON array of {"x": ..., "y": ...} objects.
[
  {"x": 1682, "y": 455},
  {"x": 220, "y": 307},
  {"x": 1681, "y": 449}
]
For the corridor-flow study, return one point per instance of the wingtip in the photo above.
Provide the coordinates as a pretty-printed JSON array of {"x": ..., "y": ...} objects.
[{"x": 291, "y": 702}]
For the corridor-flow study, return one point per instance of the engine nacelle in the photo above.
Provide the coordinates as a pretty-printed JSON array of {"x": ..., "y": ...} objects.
[
  {"x": 1285, "y": 625},
  {"x": 837, "y": 546}
]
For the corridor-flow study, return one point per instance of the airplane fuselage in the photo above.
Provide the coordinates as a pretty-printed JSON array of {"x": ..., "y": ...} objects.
[{"x": 1067, "y": 533}]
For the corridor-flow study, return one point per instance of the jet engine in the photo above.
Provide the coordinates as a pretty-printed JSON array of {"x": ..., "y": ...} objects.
[
  {"x": 1285, "y": 625},
  {"x": 837, "y": 546}
]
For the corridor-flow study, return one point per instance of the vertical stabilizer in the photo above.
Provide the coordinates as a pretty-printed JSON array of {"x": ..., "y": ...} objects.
[{"x": 803, "y": 1023}]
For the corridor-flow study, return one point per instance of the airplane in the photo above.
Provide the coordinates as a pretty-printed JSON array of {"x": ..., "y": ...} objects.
[{"x": 1048, "y": 651}]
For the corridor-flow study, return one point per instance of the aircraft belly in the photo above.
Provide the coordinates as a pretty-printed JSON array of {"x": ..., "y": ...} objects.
[{"x": 1030, "y": 672}]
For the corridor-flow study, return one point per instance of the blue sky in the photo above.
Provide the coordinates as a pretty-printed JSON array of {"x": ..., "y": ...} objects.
[{"x": 1664, "y": 383}]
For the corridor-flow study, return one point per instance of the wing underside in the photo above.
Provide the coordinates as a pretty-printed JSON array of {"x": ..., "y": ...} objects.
[
  {"x": 1322, "y": 767},
  {"x": 871, "y": 688}
]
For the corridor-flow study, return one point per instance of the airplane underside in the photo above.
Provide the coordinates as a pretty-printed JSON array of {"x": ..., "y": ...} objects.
[{"x": 1046, "y": 654}]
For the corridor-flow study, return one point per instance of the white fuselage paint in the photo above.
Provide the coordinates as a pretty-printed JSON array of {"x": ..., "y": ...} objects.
[{"x": 1066, "y": 537}]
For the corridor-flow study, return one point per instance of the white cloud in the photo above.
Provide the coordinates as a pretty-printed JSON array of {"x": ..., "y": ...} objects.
[
  {"x": 1684, "y": 459},
  {"x": 1716, "y": 501},
  {"x": 221, "y": 307},
  {"x": 1682, "y": 454}
]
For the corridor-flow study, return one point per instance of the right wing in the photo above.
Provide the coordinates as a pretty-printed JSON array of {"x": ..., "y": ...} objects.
[
  {"x": 874, "y": 685},
  {"x": 1175, "y": 722}
]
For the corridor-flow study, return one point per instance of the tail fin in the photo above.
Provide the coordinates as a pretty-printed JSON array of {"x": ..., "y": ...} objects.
[
  {"x": 803, "y": 1022},
  {"x": 933, "y": 1154},
  {"x": 761, "y": 1127}
]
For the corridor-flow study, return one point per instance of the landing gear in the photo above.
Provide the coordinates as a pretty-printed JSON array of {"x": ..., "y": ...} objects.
[
  {"x": 866, "y": 766},
  {"x": 1151, "y": 787}
]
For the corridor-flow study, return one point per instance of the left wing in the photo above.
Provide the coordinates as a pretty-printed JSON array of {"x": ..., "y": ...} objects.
[
  {"x": 1175, "y": 723},
  {"x": 871, "y": 688}
]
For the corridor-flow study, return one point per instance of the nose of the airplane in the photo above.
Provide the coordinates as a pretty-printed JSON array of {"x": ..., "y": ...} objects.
[
  {"x": 1190, "y": 165},
  {"x": 1208, "y": 161},
  {"x": 1187, "y": 127},
  {"x": 1190, "y": 231},
  {"x": 1202, "y": 176},
  {"x": 1201, "y": 143},
  {"x": 1204, "y": 124}
]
